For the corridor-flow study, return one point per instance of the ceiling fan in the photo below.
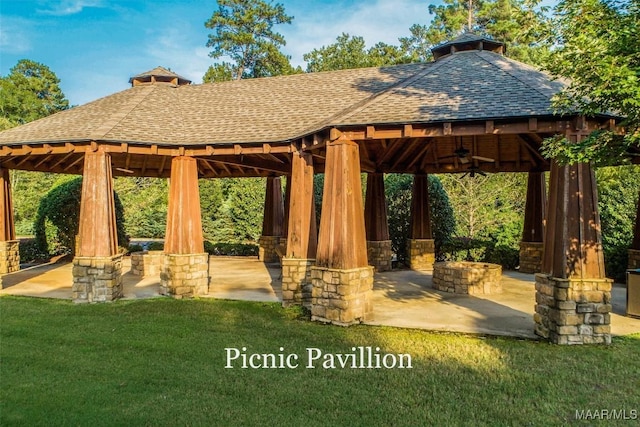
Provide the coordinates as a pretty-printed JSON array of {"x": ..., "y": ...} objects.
[
  {"x": 462, "y": 154},
  {"x": 472, "y": 171}
]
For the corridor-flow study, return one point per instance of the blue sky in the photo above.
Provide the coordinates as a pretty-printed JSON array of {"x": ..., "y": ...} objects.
[{"x": 94, "y": 46}]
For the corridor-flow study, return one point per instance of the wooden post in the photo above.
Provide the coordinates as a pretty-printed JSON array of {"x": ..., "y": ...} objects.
[
  {"x": 342, "y": 279},
  {"x": 531, "y": 245},
  {"x": 186, "y": 268},
  {"x": 272, "y": 221},
  {"x": 573, "y": 296},
  {"x": 376, "y": 224},
  {"x": 9, "y": 246},
  {"x": 97, "y": 265},
  {"x": 302, "y": 233},
  {"x": 634, "y": 250},
  {"x": 421, "y": 245}
]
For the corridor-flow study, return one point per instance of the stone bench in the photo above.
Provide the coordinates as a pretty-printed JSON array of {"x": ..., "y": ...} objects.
[
  {"x": 147, "y": 263},
  {"x": 465, "y": 277}
]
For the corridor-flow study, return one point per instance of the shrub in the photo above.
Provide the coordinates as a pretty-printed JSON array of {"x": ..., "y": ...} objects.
[
  {"x": 58, "y": 218},
  {"x": 30, "y": 251},
  {"x": 155, "y": 246},
  {"x": 231, "y": 249}
]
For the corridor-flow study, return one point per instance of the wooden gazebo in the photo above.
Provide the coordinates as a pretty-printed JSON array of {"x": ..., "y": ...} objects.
[{"x": 471, "y": 109}]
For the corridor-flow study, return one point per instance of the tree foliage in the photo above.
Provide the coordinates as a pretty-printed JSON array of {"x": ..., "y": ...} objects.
[
  {"x": 58, "y": 218},
  {"x": 30, "y": 91},
  {"x": 351, "y": 52},
  {"x": 595, "y": 45},
  {"x": 243, "y": 31}
]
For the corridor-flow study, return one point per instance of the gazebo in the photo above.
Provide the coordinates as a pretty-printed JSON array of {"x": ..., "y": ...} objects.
[{"x": 471, "y": 109}]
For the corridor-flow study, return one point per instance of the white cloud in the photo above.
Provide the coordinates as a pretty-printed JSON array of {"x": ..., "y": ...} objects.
[
  {"x": 15, "y": 36},
  {"x": 69, "y": 7}
]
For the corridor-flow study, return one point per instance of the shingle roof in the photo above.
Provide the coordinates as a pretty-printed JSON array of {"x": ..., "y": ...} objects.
[{"x": 471, "y": 85}]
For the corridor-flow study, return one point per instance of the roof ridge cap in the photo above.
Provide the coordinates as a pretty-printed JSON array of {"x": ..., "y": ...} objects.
[
  {"x": 358, "y": 107},
  {"x": 115, "y": 118}
]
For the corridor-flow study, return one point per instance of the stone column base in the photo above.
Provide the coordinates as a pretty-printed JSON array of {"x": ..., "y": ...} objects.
[
  {"x": 573, "y": 311},
  {"x": 379, "y": 254},
  {"x": 9, "y": 256},
  {"x": 296, "y": 281},
  {"x": 97, "y": 279},
  {"x": 531, "y": 257},
  {"x": 268, "y": 246},
  {"x": 634, "y": 259},
  {"x": 147, "y": 263},
  {"x": 185, "y": 275},
  {"x": 342, "y": 297},
  {"x": 422, "y": 253}
]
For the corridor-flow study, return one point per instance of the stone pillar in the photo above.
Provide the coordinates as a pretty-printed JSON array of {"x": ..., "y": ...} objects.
[
  {"x": 186, "y": 266},
  {"x": 573, "y": 296},
  {"x": 634, "y": 251},
  {"x": 302, "y": 233},
  {"x": 376, "y": 224},
  {"x": 421, "y": 245},
  {"x": 9, "y": 246},
  {"x": 97, "y": 266},
  {"x": 342, "y": 278},
  {"x": 272, "y": 221},
  {"x": 533, "y": 231}
]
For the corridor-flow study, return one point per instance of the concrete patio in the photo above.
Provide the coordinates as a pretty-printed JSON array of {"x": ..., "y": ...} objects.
[{"x": 401, "y": 298}]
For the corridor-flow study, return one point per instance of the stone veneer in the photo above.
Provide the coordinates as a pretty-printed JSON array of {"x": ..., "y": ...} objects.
[
  {"x": 9, "y": 256},
  {"x": 463, "y": 277},
  {"x": 97, "y": 279},
  {"x": 531, "y": 257},
  {"x": 268, "y": 246},
  {"x": 147, "y": 263},
  {"x": 185, "y": 275},
  {"x": 296, "y": 281},
  {"x": 634, "y": 259},
  {"x": 422, "y": 253},
  {"x": 573, "y": 311},
  {"x": 379, "y": 254},
  {"x": 342, "y": 297}
]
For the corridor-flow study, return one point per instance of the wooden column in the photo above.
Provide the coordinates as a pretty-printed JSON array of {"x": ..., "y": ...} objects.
[
  {"x": 533, "y": 230},
  {"x": 634, "y": 251},
  {"x": 186, "y": 269},
  {"x": 272, "y": 221},
  {"x": 97, "y": 265},
  {"x": 342, "y": 279},
  {"x": 376, "y": 223},
  {"x": 573, "y": 296},
  {"x": 9, "y": 246},
  {"x": 302, "y": 233},
  {"x": 421, "y": 245}
]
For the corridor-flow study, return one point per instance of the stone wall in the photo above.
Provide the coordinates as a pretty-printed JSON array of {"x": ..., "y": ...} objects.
[
  {"x": 573, "y": 311},
  {"x": 185, "y": 275},
  {"x": 634, "y": 259},
  {"x": 268, "y": 246},
  {"x": 422, "y": 253},
  {"x": 97, "y": 279},
  {"x": 296, "y": 281},
  {"x": 147, "y": 263},
  {"x": 9, "y": 256},
  {"x": 472, "y": 278},
  {"x": 379, "y": 254},
  {"x": 531, "y": 257},
  {"x": 342, "y": 297}
]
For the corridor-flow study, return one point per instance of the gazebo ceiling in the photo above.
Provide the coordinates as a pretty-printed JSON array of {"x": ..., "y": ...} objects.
[{"x": 406, "y": 118}]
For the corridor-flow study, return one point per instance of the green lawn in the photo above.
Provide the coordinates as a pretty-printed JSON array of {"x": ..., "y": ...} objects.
[{"x": 161, "y": 362}]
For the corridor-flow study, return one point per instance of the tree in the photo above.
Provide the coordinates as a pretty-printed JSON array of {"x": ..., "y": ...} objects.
[
  {"x": 518, "y": 23},
  {"x": 243, "y": 31},
  {"x": 30, "y": 91},
  {"x": 350, "y": 52},
  {"x": 595, "y": 45}
]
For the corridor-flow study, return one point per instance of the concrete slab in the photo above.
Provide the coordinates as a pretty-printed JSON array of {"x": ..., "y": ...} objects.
[{"x": 401, "y": 298}]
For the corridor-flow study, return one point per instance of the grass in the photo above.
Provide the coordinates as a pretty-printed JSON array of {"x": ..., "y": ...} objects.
[{"x": 161, "y": 362}]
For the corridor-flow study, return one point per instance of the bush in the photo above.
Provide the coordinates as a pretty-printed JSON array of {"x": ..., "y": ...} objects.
[
  {"x": 231, "y": 249},
  {"x": 398, "y": 189},
  {"x": 155, "y": 246},
  {"x": 480, "y": 250},
  {"x": 58, "y": 219},
  {"x": 30, "y": 252}
]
